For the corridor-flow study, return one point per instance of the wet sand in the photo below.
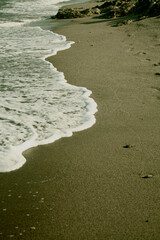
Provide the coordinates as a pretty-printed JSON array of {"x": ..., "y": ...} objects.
[{"x": 90, "y": 186}]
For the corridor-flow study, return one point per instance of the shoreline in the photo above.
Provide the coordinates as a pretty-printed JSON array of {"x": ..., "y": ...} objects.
[
  {"x": 89, "y": 186},
  {"x": 18, "y": 160}
]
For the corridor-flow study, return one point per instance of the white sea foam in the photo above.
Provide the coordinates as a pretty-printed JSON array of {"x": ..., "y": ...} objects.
[{"x": 37, "y": 105}]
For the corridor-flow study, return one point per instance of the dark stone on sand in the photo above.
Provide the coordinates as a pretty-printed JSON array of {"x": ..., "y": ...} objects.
[
  {"x": 128, "y": 146},
  {"x": 157, "y": 74},
  {"x": 156, "y": 64},
  {"x": 147, "y": 176}
]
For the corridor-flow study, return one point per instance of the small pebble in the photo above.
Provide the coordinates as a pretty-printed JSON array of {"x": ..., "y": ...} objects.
[
  {"x": 127, "y": 146},
  {"x": 147, "y": 176},
  {"x": 33, "y": 228},
  {"x": 156, "y": 64},
  {"x": 157, "y": 74}
]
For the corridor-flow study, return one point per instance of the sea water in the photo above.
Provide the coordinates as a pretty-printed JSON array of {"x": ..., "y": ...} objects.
[{"x": 37, "y": 105}]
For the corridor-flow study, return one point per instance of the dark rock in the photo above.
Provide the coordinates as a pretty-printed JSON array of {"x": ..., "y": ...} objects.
[
  {"x": 90, "y": 11},
  {"x": 67, "y": 13},
  {"x": 115, "y": 8},
  {"x": 128, "y": 146},
  {"x": 147, "y": 176},
  {"x": 108, "y": 4},
  {"x": 156, "y": 64},
  {"x": 147, "y": 7},
  {"x": 120, "y": 8}
]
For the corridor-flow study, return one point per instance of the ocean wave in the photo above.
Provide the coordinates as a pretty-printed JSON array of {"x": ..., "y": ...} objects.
[{"x": 38, "y": 106}]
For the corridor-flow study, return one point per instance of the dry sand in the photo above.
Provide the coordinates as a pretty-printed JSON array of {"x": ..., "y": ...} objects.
[{"x": 89, "y": 186}]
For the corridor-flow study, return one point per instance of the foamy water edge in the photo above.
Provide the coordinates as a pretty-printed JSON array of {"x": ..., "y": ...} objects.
[{"x": 16, "y": 159}]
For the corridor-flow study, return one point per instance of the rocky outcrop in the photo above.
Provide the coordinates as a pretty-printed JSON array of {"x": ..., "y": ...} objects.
[
  {"x": 147, "y": 7},
  {"x": 67, "y": 13},
  {"x": 114, "y": 9},
  {"x": 120, "y": 8},
  {"x": 117, "y": 8}
]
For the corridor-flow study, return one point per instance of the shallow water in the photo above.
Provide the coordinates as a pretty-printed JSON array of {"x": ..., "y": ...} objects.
[{"x": 37, "y": 105}]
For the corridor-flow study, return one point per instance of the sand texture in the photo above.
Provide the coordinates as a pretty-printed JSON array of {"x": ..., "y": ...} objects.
[{"x": 90, "y": 186}]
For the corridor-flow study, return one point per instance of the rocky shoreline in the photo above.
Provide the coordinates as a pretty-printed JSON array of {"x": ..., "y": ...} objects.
[{"x": 113, "y": 9}]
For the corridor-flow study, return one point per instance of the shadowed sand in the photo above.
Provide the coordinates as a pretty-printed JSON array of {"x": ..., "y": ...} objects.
[{"x": 90, "y": 186}]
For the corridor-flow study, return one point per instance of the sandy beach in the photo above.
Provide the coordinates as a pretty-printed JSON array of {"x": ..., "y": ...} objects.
[{"x": 102, "y": 183}]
